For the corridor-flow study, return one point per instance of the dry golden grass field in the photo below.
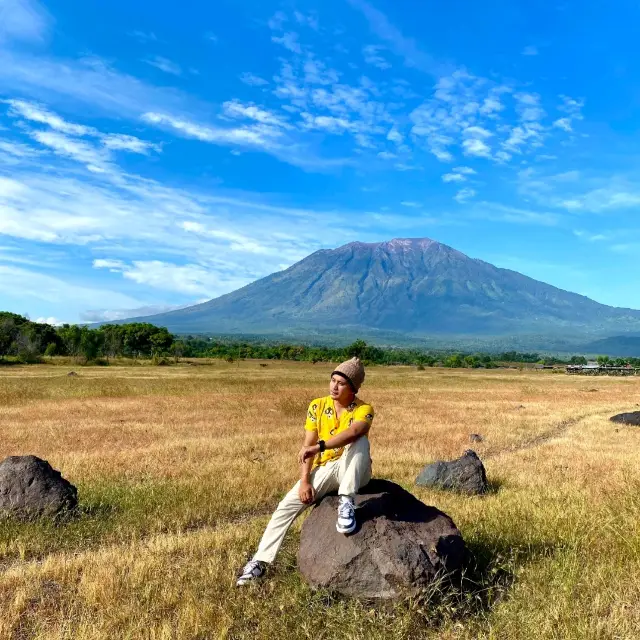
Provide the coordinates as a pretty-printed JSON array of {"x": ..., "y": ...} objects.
[{"x": 178, "y": 469}]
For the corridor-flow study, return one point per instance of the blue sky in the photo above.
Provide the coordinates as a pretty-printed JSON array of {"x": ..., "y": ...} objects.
[{"x": 153, "y": 155}]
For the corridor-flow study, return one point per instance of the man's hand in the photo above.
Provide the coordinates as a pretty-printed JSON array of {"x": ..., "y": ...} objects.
[
  {"x": 306, "y": 493},
  {"x": 308, "y": 452}
]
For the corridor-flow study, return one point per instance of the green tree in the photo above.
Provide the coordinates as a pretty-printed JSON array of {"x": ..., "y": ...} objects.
[{"x": 357, "y": 349}]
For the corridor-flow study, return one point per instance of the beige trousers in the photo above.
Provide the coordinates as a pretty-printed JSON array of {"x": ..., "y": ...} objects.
[{"x": 346, "y": 475}]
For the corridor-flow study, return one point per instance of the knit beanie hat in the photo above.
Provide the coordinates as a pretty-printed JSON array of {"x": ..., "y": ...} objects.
[{"x": 353, "y": 371}]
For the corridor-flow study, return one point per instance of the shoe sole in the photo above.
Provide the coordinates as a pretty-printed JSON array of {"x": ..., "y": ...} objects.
[
  {"x": 242, "y": 583},
  {"x": 350, "y": 529}
]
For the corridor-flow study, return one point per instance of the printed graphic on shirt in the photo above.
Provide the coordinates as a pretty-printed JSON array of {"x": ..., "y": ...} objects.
[{"x": 322, "y": 418}]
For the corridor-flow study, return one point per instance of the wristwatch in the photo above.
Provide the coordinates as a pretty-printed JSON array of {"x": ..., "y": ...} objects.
[{"x": 322, "y": 446}]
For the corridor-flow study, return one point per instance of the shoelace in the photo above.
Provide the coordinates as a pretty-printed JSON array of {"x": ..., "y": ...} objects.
[{"x": 345, "y": 510}]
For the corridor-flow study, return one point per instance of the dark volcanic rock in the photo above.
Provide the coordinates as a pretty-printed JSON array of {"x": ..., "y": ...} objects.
[
  {"x": 632, "y": 418},
  {"x": 466, "y": 474},
  {"x": 399, "y": 546},
  {"x": 32, "y": 488}
]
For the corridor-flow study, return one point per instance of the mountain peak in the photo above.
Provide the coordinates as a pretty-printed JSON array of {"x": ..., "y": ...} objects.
[
  {"x": 397, "y": 244},
  {"x": 415, "y": 286}
]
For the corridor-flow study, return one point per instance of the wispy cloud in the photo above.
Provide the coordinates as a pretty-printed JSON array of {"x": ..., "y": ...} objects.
[
  {"x": 464, "y": 195},
  {"x": 454, "y": 177},
  {"x": 29, "y": 285},
  {"x": 505, "y": 213},
  {"x": 38, "y": 113},
  {"x": 144, "y": 36},
  {"x": 289, "y": 40},
  {"x": 253, "y": 80},
  {"x": 530, "y": 50},
  {"x": 164, "y": 64},
  {"x": 25, "y": 20},
  {"x": 237, "y": 110},
  {"x": 403, "y": 46},
  {"x": 372, "y": 56},
  {"x": 121, "y": 142}
]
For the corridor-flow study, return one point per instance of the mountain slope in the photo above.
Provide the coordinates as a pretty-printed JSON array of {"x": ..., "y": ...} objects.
[{"x": 409, "y": 286}]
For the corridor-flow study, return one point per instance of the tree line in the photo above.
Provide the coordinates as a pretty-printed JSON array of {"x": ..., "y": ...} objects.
[
  {"x": 28, "y": 341},
  {"x": 25, "y": 341}
]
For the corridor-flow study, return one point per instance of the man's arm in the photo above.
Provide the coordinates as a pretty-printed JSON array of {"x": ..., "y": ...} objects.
[
  {"x": 306, "y": 492},
  {"x": 355, "y": 431}
]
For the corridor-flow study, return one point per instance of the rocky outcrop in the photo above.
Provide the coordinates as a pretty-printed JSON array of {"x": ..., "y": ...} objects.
[
  {"x": 32, "y": 488},
  {"x": 400, "y": 545},
  {"x": 466, "y": 474},
  {"x": 632, "y": 418}
]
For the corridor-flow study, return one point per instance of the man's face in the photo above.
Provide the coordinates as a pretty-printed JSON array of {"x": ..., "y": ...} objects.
[{"x": 340, "y": 390}]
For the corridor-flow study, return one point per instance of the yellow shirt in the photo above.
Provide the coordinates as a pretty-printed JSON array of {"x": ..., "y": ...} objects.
[{"x": 322, "y": 419}]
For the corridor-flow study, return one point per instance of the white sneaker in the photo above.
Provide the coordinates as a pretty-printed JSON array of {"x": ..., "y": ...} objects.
[
  {"x": 253, "y": 570},
  {"x": 346, "y": 515}
]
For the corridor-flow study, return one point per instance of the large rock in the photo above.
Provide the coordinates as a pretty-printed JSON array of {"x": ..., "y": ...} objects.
[
  {"x": 32, "y": 488},
  {"x": 399, "y": 546},
  {"x": 632, "y": 418},
  {"x": 466, "y": 474}
]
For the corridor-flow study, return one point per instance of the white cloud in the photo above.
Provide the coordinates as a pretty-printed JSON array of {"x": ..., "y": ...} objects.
[
  {"x": 528, "y": 107},
  {"x": 403, "y": 46},
  {"x": 18, "y": 149},
  {"x": 68, "y": 147},
  {"x": 395, "y": 136},
  {"x": 120, "y": 142},
  {"x": 308, "y": 20},
  {"x": 235, "y": 109},
  {"x": 453, "y": 177},
  {"x": 26, "y": 284},
  {"x": 243, "y": 136},
  {"x": 372, "y": 56},
  {"x": 475, "y": 147},
  {"x": 464, "y": 195},
  {"x": 51, "y": 320},
  {"x": 277, "y": 20},
  {"x": 189, "y": 279},
  {"x": 25, "y": 20},
  {"x": 37, "y": 113},
  {"x": 164, "y": 64},
  {"x": 409, "y": 203},
  {"x": 289, "y": 41},
  {"x": 564, "y": 124},
  {"x": 502, "y": 213},
  {"x": 326, "y": 123},
  {"x": 115, "y": 266},
  {"x": 530, "y": 50},
  {"x": 467, "y": 171},
  {"x": 252, "y": 80},
  {"x": 113, "y": 315}
]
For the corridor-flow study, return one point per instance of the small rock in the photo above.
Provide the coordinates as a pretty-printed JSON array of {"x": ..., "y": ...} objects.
[
  {"x": 475, "y": 437},
  {"x": 520, "y": 406},
  {"x": 72, "y": 374},
  {"x": 466, "y": 474},
  {"x": 32, "y": 488},
  {"x": 632, "y": 418},
  {"x": 400, "y": 546}
]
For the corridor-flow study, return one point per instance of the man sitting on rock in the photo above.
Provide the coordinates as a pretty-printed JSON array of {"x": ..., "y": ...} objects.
[{"x": 334, "y": 457}]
